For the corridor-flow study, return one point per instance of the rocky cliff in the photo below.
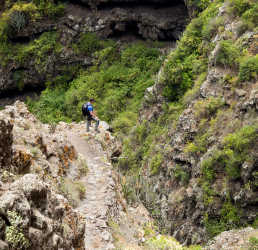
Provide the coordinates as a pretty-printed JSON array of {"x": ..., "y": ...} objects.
[
  {"x": 34, "y": 166},
  {"x": 42, "y": 46},
  {"x": 201, "y": 152}
]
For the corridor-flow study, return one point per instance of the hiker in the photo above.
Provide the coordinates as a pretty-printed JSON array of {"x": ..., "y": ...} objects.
[{"x": 87, "y": 111}]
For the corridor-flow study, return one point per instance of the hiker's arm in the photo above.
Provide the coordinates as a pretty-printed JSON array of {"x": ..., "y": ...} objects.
[{"x": 93, "y": 115}]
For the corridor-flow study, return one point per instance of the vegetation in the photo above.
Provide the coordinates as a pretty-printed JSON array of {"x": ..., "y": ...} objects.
[
  {"x": 14, "y": 233},
  {"x": 73, "y": 191},
  {"x": 17, "y": 15},
  {"x": 253, "y": 243},
  {"x": 117, "y": 80},
  {"x": 117, "y": 84},
  {"x": 189, "y": 60}
]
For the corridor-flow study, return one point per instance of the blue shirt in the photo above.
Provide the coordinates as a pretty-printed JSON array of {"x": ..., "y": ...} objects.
[{"x": 90, "y": 108}]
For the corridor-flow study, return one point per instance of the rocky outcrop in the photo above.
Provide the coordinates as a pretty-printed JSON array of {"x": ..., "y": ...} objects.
[
  {"x": 6, "y": 140},
  {"x": 48, "y": 222},
  {"x": 36, "y": 165}
]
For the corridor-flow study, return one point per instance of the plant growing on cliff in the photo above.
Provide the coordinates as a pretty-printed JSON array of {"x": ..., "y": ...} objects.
[
  {"x": 17, "y": 20},
  {"x": 248, "y": 68},
  {"x": 14, "y": 233}
]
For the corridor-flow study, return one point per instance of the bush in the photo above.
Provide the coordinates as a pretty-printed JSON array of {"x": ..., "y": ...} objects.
[
  {"x": 248, "y": 68},
  {"x": 229, "y": 53},
  {"x": 155, "y": 164},
  {"x": 181, "y": 174},
  {"x": 253, "y": 243},
  {"x": 18, "y": 20},
  {"x": 228, "y": 220},
  {"x": 89, "y": 43},
  {"x": 189, "y": 59},
  {"x": 72, "y": 191},
  {"x": 208, "y": 106},
  {"x": 14, "y": 233}
]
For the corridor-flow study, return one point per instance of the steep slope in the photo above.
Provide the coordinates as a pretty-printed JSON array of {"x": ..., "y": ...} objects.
[{"x": 197, "y": 133}]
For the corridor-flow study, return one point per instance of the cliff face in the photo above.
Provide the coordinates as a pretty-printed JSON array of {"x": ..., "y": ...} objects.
[
  {"x": 35, "y": 164},
  {"x": 29, "y": 63},
  {"x": 203, "y": 159}
]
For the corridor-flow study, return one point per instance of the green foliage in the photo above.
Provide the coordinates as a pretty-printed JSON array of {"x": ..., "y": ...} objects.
[
  {"x": 253, "y": 243},
  {"x": 229, "y": 53},
  {"x": 208, "y": 106},
  {"x": 164, "y": 242},
  {"x": 40, "y": 48},
  {"x": 14, "y": 233},
  {"x": 229, "y": 219},
  {"x": 189, "y": 60},
  {"x": 155, "y": 163},
  {"x": 201, "y": 4},
  {"x": 72, "y": 191},
  {"x": 137, "y": 189},
  {"x": 232, "y": 156},
  {"x": 50, "y": 9},
  {"x": 117, "y": 87},
  {"x": 236, "y": 148},
  {"x": 15, "y": 16},
  {"x": 18, "y": 77},
  {"x": 248, "y": 68},
  {"x": 89, "y": 43},
  {"x": 18, "y": 20},
  {"x": 199, "y": 144},
  {"x": 181, "y": 174}
]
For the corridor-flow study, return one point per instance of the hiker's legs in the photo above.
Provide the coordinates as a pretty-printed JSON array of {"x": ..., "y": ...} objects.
[
  {"x": 88, "y": 124},
  {"x": 97, "y": 122}
]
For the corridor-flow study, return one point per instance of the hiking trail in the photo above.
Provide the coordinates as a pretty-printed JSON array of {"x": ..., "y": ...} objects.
[{"x": 100, "y": 193}]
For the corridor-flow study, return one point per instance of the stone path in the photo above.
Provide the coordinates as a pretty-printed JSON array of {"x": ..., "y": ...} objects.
[{"x": 100, "y": 194}]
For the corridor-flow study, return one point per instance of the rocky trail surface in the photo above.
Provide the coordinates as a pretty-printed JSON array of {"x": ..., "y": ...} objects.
[
  {"x": 100, "y": 194},
  {"x": 109, "y": 220}
]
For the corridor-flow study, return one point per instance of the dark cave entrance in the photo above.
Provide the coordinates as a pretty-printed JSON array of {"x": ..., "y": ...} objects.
[
  {"x": 20, "y": 40},
  {"x": 9, "y": 97},
  {"x": 130, "y": 34}
]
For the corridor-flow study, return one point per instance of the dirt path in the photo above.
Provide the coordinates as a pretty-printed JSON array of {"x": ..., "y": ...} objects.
[{"x": 99, "y": 193}]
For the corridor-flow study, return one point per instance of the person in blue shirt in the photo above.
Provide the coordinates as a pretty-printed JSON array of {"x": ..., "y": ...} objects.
[{"x": 91, "y": 116}]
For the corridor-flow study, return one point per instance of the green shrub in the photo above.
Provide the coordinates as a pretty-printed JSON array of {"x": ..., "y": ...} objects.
[
  {"x": 18, "y": 20},
  {"x": 14, "y": 233},
  {"x": 208, "y": 106},
  {"x": 189, "y": 59},
  {"x": 181, "y": 174},
  {"x": 248, "y": 68},
  {"x": 229, "y": 219},
  {"x": 229, "y": 53},
  {"x": 89, "y": 43},
  {"x": 241, "y": 6},
  {"x": 253, "y": 243},
  {"x": 155, "y": 164},
  {"x": 72, "y": 191},
  {"x": 19, "y": 77}
]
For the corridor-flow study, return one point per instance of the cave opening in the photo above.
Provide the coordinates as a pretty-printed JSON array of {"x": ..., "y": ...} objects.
[
  {"x": 20, "y": 40},
  {"x": 147, "y": 5},
  {"x": 131, "y": 33},
  {"x": 10, "y": 96}
]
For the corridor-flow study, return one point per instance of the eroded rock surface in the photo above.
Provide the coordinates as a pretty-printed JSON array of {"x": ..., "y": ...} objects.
[{"x": 34, "y": 164}]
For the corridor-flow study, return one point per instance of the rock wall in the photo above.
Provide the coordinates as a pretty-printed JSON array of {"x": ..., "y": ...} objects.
[
  {"x": 185, "y": 207},
  {"x": 35, "y": 166},
  {"x": 6, "y": 140},
  {"x": 48, "y": 222}
]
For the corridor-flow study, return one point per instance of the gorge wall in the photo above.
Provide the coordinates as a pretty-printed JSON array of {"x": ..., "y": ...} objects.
[{"x": 27, "y": 66}]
